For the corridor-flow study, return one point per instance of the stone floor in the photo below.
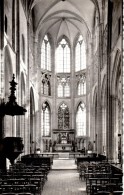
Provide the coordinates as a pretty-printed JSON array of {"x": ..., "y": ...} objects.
[{"x": 63, "y": 179}]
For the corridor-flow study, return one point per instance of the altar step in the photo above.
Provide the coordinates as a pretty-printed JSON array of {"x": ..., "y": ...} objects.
[
  {"x": 64, "y": 164},
  {"x": 63, "y": 155}
]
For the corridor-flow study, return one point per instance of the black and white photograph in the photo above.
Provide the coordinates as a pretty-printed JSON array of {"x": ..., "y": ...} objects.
[{"x": 61, "y": 97}]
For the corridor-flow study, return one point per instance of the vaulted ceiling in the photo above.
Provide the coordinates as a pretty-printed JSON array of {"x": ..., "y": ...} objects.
[{"x": 63, "y": 17}]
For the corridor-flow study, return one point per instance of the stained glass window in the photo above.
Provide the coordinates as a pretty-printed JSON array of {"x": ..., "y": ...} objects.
[
  {"x": 45, "y": 119},
  {"x": 63, "y": 117},
  {"x": 46, "y": 54},
  {"x": 80, "y": 55},
  {"x": 63, "y": 57},
  {"x": 81, "y": 120}
]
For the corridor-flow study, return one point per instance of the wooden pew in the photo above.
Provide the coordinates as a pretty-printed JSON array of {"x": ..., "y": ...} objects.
[{"x": 36, "y": 160}]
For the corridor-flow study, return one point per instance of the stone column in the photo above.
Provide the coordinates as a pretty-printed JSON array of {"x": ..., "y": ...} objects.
[
  {"x": 27, "y": 92},
  {"x": 18, "y": 62},
  {"x": 113, "y": 131},
  {"x": 72, "y": 91},
  {"x": 109, "y": 100},
  {"x": 99, "y": 109},
  {"x": 54, "y": 91}
]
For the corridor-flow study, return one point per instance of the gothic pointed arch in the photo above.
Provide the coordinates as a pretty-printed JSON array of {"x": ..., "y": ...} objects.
[
  {"x": 46, "y": 54},
  {"x": 80, "y": 54},
  {"x": 63, "y": 56}
]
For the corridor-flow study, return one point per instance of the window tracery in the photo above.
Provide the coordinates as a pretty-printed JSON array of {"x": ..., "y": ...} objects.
[
  {"x": 81, "y": 83},
  {"x": 63, "y": 57},
  {"x": 63, "y": 88},
  {"x": 80, "y": 55},
  {"x": 46, "y": 54}
]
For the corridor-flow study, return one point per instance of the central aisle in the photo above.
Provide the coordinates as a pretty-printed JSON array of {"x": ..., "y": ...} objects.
[{"x": 63, "y": 179}]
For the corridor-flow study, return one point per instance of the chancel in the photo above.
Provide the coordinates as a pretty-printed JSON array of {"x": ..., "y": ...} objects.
[{"x": 61, "y": 97}]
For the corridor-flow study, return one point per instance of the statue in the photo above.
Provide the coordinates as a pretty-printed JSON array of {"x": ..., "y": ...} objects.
[
  {"x": 59, "y": 139},
  {"x": 90, "y": 146},
  {"x": 68, "y": 139},
  {"x": 50, "y": 145}
]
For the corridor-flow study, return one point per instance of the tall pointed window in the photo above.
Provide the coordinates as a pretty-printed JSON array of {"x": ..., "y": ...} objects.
[
  {"x": 45, "y": 119},
  {"x": 63, "y": 57},
  {"x": 81, "y": 120},
  {"x": 63, "y": 117},
  {"x": 80, "y": 55},
  {"x": 46, "y": 54}
]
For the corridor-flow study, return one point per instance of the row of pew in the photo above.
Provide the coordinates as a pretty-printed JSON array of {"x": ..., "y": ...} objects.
[
  {"x": 37, "y": 159},
  {"x": 24, "y": 179},
  {"x": 100, "y": 178}
]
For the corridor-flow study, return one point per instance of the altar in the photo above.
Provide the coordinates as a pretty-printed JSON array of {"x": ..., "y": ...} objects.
[
  {"x": 63, "y": 140},
  {"x": 63, "y": 147}
]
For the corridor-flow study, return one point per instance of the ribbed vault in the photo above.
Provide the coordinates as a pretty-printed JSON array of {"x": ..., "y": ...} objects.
[{"x": 68, "y": 17}]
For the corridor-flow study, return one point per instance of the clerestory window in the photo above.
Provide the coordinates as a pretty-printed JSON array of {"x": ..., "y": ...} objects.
[
  {"x": 63, "y": 57},
  {"x": 46, "y": 54},
  {"x": 80, "y": 55}
]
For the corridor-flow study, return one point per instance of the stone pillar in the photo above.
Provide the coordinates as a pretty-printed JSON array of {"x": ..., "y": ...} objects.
[
  {"x": 99, "y": 109},
  {"x": 53, "y": 90},
  {"x": 27, "y": 115},
  {"x": 72, "y": 91},
  {"x": 109, "y": 100},
  {"x": 18, "y": 62}
]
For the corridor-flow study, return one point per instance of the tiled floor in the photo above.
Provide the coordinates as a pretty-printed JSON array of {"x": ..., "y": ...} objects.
[{"x": 64, "y": 181}]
